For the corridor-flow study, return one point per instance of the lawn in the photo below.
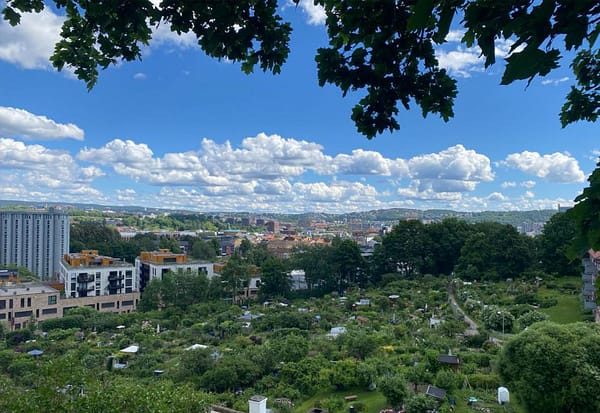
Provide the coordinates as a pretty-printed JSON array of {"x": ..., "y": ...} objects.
[
  {"x": 568, "y": 307},
  {"x": 567, "y": 310},
  {"x": 373, "y": 401},
  {"x": 487, "y": 399}
]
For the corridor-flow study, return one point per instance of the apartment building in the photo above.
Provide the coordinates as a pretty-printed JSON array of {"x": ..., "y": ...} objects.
[
  {"x": 21, "y": 304},
  {"x": 88, "y": 274},
  {"x": 591, "y": 266},
  {"x": 152, "y": 265},
  {"x": 36, "y": 240}
]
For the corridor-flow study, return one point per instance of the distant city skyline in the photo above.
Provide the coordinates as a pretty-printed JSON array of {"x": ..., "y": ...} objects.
[{"x": 182, "y": 131}]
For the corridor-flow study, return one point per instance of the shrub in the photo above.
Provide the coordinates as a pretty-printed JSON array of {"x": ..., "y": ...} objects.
[
  {"x": 18, "y": 336},
  {"x": 484, "y": 381},
  {"x": 531, "y": 317},
  {"x": 547, "y": 302},
  {"x": 64, "y": 323}
]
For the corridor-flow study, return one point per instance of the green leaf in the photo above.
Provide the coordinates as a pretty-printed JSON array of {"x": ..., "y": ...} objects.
[
  {"x": 529, "y": 63},
  {"x": 11, "y": 16},
  {"x": 444, "y": 22},
  {"x": 421, "y": 14}
]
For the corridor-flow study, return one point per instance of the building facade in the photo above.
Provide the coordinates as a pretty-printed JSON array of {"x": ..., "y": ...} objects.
[
  {"x": 591, "y": 265},
  {"x": 21, "y": 304},
  {"x": 152, "y": 265},
  {"x": 87, "y": 274},
  {"x": 36, "y": 240}
]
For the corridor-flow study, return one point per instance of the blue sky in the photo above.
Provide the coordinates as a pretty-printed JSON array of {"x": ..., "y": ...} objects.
[{"x": 181, "y": 130}]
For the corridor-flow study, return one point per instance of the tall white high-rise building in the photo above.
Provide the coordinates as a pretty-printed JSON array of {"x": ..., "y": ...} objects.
[{"x": 36, "y": 240}]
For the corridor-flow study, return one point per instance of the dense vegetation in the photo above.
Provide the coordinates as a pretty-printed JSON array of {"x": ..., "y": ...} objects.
[{"x": 386, "y": 304}]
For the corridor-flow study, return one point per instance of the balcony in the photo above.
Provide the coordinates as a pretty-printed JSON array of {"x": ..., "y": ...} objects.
[
  {"x": 85, "y": 278},
  {"x": 115, "y": 277},
  {"x": 82, "y": 288}
]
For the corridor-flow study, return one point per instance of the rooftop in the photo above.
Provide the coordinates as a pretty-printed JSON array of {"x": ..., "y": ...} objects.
[
  {"x": 91, "y": 258},
  {"x": 435, "y": 392},
  {"x": 26, "y": 289}
]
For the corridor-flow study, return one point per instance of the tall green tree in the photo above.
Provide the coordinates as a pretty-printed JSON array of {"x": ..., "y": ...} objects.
[
  {"x": 350, "y": 267},
  {"x": 235, "y": 275},
  {"x": 179, "y": 290},
  {"x": 495, "y": 251},
  {"x": 446, "y": 239},
  {"x": 386, "y": 49},
  {"x": 393, "y": 387},
  {"x": 554, "y": 242},
  {"x": 274, "y": 280},
  {"x": 170, "y": 244},
  {"x": 203, "y": 250},
  {"x": 586, "y": 215},
  {"x": 405, "y": 250},
  {"x": 554, "y": 368},
  {"x": 317, "y": 265},
  {"x": 93, "y": 235}
]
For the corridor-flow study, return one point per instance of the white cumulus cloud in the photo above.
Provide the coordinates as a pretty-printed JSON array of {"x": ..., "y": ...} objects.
[
  {"x": 31, "y": 43},
  {"x": 51, "y": 174},
  {"x": 315, "y": 13},
  {"x": 555, "y": 167},
  {"x": 461, "y": 61},
  {"x": 455, "y": 163},
  {"x": 20, "y": 123}
]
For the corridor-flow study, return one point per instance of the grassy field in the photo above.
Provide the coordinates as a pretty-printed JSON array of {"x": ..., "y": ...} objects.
[
  {"x": 373, "y": 401},
  {"x": 568, "y": 307},
  {"x": 487, "y": 399},
  {"x": 567, "y": 310}
]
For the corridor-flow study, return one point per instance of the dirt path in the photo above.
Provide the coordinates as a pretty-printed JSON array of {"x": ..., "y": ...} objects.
[{"x": 473, "y": 328}]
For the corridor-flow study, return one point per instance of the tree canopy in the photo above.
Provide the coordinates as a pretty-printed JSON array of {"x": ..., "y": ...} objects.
[
  {"x": 554, "y": 368},
  {"x": 586, "y": 215},
  {"x": 385, "y": 49}
]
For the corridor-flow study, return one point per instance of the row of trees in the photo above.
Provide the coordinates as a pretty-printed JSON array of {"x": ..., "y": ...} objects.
[
  {"x": 107, "y": 240},
  {"x": 474, "y": 251},
  {"x": 485, "y": 250}
]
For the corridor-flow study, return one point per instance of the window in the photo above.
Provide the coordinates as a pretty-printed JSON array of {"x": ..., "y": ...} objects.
[
  {"x": 28, "y": 301},
  {"x": 47, "y": 311},
  {"x": 19, "y": 314},
  {"x": 128, "y": 283},
  {"x": 2, "y": 304},
  {"x": 22, "y": 302},
  {"x": 107, "y": 305},
  {"x": 51, "y": 299},
  {"x": 127, "y": 303}
]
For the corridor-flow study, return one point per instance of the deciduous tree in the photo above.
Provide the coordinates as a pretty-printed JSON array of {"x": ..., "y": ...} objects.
[{"x": 554, "y": 368}]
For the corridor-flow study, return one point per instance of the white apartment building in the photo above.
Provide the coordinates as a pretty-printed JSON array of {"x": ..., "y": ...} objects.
[
  {"x": 87, "y": 274},
  {"x": 152, "y": 265},
  {"x": 36, "y": 240}
]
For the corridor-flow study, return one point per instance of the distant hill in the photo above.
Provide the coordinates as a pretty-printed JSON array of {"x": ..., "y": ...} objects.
[{"x": 378, "y": 217}]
